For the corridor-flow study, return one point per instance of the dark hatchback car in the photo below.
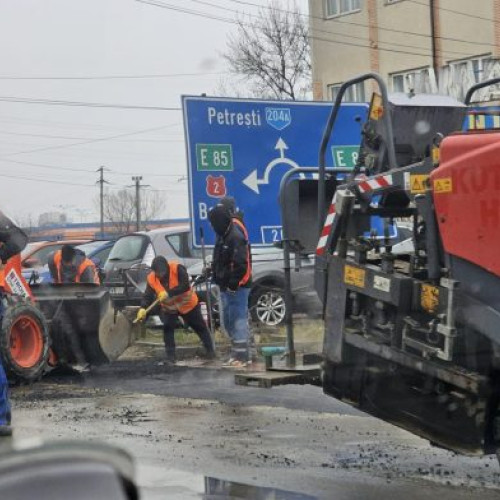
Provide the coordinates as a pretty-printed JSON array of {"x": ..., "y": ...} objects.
[{"x": 267, "y": 294}]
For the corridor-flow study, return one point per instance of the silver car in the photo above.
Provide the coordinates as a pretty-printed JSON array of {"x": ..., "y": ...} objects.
[{"x": 130, "y": 260}]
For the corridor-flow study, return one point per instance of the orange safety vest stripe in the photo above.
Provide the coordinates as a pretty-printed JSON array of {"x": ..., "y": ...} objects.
[
  {"x": 81, "y": 268},
  {"x": 184, "y": 302},
  {"x": 248, "y": 272},
  {"x": 241, "y": 226},
  {"x": 2, "y": 278}
]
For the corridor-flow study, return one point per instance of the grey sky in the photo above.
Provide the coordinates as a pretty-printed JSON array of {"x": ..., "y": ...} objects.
[{"x": 101, "y": 38}]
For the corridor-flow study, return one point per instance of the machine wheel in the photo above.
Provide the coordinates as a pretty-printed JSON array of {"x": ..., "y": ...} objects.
[
  {"x": 24, "y": 341},
  {"x": 267, "y": 305}
]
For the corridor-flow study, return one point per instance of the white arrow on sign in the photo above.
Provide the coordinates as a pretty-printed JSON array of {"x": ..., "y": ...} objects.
[{"x": 253, "y": 182}]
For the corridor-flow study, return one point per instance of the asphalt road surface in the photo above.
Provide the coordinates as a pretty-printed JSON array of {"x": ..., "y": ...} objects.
[{"x": 194, "y": 433}]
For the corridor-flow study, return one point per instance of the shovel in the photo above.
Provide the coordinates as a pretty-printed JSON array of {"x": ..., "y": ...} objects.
[{"x": 155, "y": 303}]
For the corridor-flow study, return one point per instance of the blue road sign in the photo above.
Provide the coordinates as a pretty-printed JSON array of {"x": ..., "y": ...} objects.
[{"x": 242, "y": 148}]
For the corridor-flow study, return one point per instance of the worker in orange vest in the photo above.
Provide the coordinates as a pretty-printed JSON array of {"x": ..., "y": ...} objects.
[
  {"x": 12, "y": 241},
  {"x": 70, "y": 265},
  {"x": 169, "y": 282}
]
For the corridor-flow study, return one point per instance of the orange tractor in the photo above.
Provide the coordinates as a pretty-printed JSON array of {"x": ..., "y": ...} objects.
[{"x": 49, "y": 325}]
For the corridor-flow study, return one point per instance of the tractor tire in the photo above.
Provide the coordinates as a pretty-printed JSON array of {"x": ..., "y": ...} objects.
[{"x": 24, "y": 341}]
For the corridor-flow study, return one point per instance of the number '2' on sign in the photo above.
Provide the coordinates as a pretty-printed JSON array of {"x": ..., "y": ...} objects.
[{"x": 271, "y": 234}]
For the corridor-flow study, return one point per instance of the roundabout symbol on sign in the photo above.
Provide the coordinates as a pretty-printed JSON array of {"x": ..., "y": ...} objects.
[{"x": 253, "y": 182}]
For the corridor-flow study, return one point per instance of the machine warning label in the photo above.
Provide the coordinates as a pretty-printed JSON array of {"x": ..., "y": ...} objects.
[
  {"x": 443, "y": 185},
  {"x": 382, "y": 284},
  {"x": 15, "y": 284},
  {"x": 429, "y": 297},
  {"x": 354, "y": 276},
  {"x": 416, "y": 184}
]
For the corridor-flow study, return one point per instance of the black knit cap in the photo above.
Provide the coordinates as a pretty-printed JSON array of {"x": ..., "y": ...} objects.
[
  {"x": 68, "y": 253},
  {"x": 230, "y": 203},
  {"x": 160, "y": 265},
  {"x": 220, "y": 218}
]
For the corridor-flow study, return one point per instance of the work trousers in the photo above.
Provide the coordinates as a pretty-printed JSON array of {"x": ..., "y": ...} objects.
[
  {"x": 235, "y": 314},
  {"x": 195, "y": 320},
  {"x": 4, "y": 384}
]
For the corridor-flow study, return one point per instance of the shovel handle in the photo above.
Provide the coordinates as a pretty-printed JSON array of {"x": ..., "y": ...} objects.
[{"x": 155, "y": 303}]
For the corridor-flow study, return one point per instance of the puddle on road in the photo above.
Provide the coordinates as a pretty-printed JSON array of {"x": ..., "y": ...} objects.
[
  {"x": 221, "y": 489},
  {"x": 157, "y": 483}
]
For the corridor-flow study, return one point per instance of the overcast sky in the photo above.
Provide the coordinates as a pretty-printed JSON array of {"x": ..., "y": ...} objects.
[{"x": 41, "y": 40}]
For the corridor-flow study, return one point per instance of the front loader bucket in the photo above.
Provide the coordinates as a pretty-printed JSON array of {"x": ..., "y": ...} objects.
[{"x": 84, "y": 327}]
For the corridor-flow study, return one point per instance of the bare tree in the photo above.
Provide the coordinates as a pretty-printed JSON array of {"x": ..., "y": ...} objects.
[
  {"x": 120, "y": 208},
  {"x": 272, "y": 51},
  {"x": 152, "y": 205}
]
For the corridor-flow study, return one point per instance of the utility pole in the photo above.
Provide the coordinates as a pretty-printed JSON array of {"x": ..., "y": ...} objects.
[
  {"x": 101, "y": 181},
  {"x": 138, "y": 186}
]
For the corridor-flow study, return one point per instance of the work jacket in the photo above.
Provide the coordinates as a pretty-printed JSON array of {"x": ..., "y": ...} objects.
[
  {"x": 232, "y": 263},
  {"x": 82, "y": 271},
  {"x": 182, "y": 299}
]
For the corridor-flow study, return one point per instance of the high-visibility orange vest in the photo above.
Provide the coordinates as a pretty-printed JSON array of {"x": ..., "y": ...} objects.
[
  {"x": 183, "y": 303},
  {"x": 2, "y": 278},
  {"x": 81, "y": 268},
  {"x": 248, "y": 272},
  {"x": 241, "y": 226}
]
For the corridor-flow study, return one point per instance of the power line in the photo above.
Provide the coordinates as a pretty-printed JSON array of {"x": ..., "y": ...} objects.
[
  {"x": 90, "y": 141},
  {"x": 111, "y": 77},
  {"x": 64, "y": 124},
  {"x": 466, "y": 14},
  {"x": 36, "y": 179},
  {"x": 317, "y": 30},
  {"x": 342, "y": 21},
  {"x": 56, "y": 102},
  {"x": 76, "y": 169},
  {"x": 43, "y": 165},
  {"x": 66, "y": 137},
  {"x": 312, "y": 37}
]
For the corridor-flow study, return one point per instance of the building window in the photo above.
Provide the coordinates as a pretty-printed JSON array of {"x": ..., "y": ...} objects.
[
  {"x": 355, "y": 93},
  {"x": 416, "y": 80},
  {"x": 340, "y": 7},
  {"x": 474, "y": 67}
]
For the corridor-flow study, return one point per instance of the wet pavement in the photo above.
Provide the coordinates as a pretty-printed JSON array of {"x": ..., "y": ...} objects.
[{"x": 184, "y": 425}]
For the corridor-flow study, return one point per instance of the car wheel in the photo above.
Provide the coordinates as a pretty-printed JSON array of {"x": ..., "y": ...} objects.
[{"x": 267, "y": 306}]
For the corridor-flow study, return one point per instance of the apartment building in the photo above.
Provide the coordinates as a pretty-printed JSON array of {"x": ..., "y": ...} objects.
[{"x": 442, "y": 46}]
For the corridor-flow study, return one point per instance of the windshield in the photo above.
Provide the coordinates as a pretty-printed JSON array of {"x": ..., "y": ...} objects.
[
  {"x": 128, "y": 248},
  {"x": 90, "y": 247}
]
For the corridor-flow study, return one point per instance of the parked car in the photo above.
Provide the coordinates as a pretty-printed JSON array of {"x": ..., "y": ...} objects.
[
  {"x": 267, "y": 294},
  {"x": 97, "y": 251},
  {"x": 35, "y": 256},
  {"x": 130, "y": 259},
  {"x": 36, "y": 253}
]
